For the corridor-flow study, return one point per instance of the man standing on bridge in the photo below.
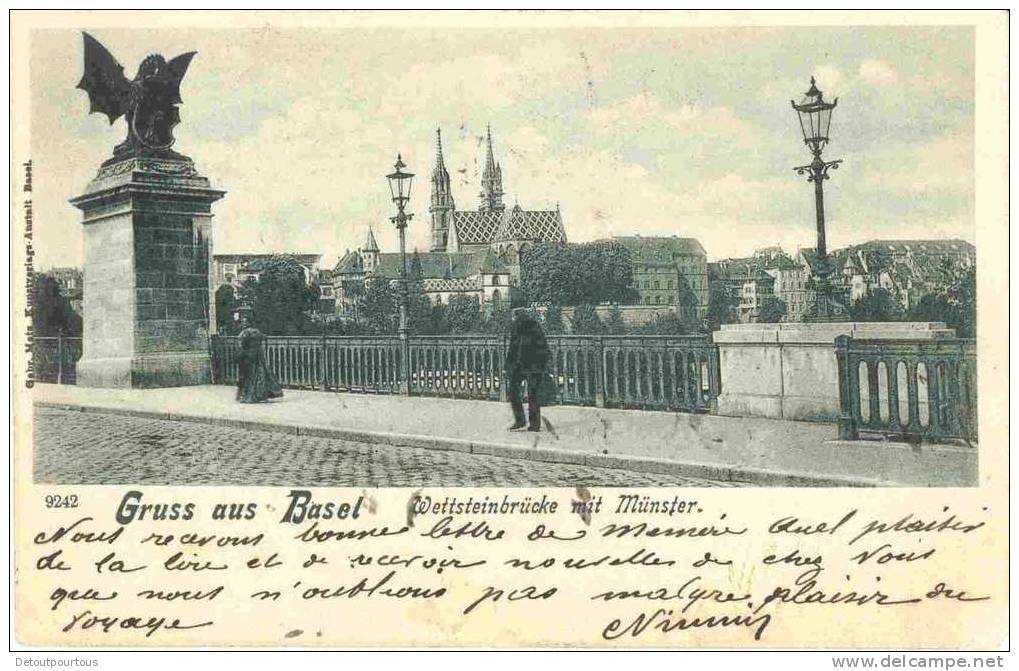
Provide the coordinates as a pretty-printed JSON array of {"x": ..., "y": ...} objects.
[{"x": 526, "y": 360}]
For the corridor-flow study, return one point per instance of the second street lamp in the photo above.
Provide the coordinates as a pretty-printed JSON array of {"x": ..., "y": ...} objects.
[
  {"x": 815, "y": 121},
  {"x": 399, "y": 187}
]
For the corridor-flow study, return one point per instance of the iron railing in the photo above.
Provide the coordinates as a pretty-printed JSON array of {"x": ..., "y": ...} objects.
[
  {"x": 923, "y": 390},
  {"x": 55, "y": 359},
  {"x": 655, "y": 372}
]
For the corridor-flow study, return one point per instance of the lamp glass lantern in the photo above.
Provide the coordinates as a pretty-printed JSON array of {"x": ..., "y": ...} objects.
[
  {"x": 815, "y": 117},
  {"x": 399, "y": 183}
]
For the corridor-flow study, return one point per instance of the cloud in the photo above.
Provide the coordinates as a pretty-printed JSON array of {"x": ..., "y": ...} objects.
[
  {"x": 829, "y": 79},
  {"x": 657, "y": 132},
  {"x": 877, "y": 73}
]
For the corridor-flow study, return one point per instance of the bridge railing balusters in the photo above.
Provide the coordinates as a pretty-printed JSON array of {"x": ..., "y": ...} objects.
[
  {"x": 936, "y": 373},
  {"x": 654, "y": 372}
]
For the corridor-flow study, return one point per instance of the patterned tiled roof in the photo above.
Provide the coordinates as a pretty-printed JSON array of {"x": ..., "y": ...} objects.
[
  {"x": 513, "y": 226},
  {"x": 453, "y": 284},
  {"x": 476, "y": 227}
]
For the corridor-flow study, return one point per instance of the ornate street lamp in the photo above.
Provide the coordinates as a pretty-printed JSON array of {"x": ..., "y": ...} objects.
[
  {"x": 815, "y": 121},
  {"x": 399, "y": 187}
]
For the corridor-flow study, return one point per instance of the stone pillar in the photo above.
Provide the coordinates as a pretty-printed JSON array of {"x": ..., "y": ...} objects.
[{"x": 148, "y": 294}]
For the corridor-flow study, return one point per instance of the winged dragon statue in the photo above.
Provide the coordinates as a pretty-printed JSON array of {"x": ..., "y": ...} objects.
[{"x": 148, "y": 102}]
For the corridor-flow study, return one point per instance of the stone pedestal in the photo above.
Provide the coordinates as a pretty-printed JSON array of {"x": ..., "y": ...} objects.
[
  {"x": 788, "y": 371},
  {"x": 148, "y": 302}
]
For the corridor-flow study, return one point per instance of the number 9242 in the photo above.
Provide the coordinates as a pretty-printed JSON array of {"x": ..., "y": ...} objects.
[{"x": 58, "y": 501}]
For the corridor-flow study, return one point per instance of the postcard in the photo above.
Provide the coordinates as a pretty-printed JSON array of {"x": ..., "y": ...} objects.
[{"x": 507, "y": 329}]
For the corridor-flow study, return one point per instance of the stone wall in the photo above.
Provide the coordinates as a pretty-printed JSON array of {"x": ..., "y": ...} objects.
[{"x": 633, "y": 315}]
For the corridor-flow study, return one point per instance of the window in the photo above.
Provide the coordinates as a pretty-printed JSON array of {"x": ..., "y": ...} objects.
[
  {"x": 495, "y": 280},
  {"x": 658, "y": 300},
  {"x": 656, "y": 284},
  {"x": 670, "y": 284}
]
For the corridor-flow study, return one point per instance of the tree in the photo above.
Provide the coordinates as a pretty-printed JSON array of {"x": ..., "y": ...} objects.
[
  {"x": 378, "y": 307},
  {"x": 281, "y": 300},
  {"x": 463, "y": 314},
  {"x": 771, "y": 310},
  {"x": 415, "y": 272},
  {"x": 722, "y": 306},
  {"x": 594, "y": 272},
  {"x": 553, "y": 320},
  {"x": 585, "y": 320},
  {"x": 226, "y": 307},
  {"x": 423, "y": 318},
  {"x": 354, "y": 291},
  {"x": 605, "y": 273},
  {"x": 498, "y": 321},
  {"x": 955, "y": 304},
  {"x": 877, "y": 305},
  {"x": 52, "y": 314},
  {"x": 546, "y": 275}
]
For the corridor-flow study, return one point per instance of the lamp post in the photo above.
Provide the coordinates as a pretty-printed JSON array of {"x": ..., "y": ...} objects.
[
  {"x": 815, "y": 120},
  {"x": 399, "y": 187}
]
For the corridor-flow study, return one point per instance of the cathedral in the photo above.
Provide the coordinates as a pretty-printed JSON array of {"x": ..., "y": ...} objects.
[
  {"x": 472, "y": 253},
  {"x": 491, "y": 226}
]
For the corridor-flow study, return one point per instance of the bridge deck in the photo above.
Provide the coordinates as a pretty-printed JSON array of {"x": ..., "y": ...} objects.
[{"x": 763, "y": 451}]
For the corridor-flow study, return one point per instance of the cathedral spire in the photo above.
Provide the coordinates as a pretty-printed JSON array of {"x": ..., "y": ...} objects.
[
  {"x": 491, "y": 180},
  {"x": 490, "y": 156},
  {"x": 442, "y": 206},
  {"x": 440, "y": 165}
]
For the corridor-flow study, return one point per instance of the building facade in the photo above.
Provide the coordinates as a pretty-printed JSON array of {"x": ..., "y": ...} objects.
[
  {"x": 440, "y": 275},
  {"x": 746, "y": 282},
  {"x": 792, "y": 284},
  {"x": 235, "y": 269},
  {"x": 669, "y": 271},
  {"x": 908, "y": 269}
]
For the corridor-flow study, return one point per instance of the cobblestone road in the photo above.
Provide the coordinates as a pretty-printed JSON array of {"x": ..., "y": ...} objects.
[{"x": 73, "y": 447}]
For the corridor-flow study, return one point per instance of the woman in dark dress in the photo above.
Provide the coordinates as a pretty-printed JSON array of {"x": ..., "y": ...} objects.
[{"x": 255, "y": 382}]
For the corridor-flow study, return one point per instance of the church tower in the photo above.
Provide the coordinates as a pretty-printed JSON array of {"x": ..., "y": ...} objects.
[
  {"x": 491, "y": 182},
  {"x": 370, "y": 252},
  {"x": 442, "y": 205}
]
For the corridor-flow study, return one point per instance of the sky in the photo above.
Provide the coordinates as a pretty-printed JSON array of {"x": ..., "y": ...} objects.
[{"x": 684, "y": 132}]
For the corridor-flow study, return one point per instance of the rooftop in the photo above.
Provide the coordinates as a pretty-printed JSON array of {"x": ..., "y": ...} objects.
[{"x": 659, "y": 248}]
